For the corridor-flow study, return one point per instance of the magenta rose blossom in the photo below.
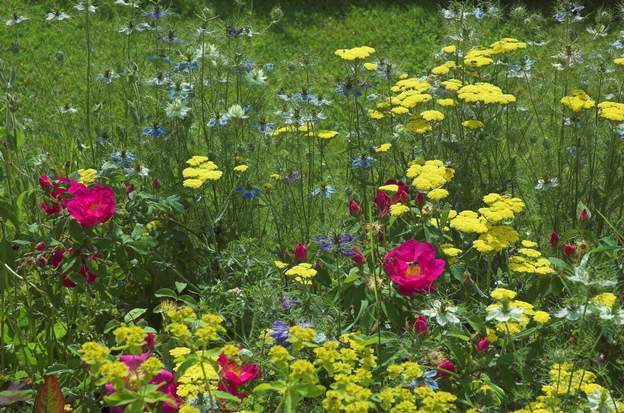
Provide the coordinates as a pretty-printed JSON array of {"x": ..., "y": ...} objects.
[
  {"x": 92, "y": 206},
  {"x": 413, "y": 266}
]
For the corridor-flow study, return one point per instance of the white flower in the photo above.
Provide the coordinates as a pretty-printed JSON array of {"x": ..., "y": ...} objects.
[
  {"x": 177, "y": 109},
  {"x": 443, "y": 313},
  {"x": 256, "y": 77},
  {"x": 132, "y": 3},
  {"x": 144, "y": 171},
  {"x": 80, "y": 6},
  {"x": 16, "y": 20},
  {"x": 571, "y": 314},
  {"x": 502, "y": 315},
  {"x": 58, "y": 16},
  {"x": 237, "y": 112}
]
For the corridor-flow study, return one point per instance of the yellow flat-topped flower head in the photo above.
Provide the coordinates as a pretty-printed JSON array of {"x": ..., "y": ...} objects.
[{"x": 355, "y": 53}]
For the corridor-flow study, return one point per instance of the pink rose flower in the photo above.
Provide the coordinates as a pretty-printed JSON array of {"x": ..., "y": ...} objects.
[
  {"x": 235, "y": 375},
  {"x": 421, "y": 325},
  {"x": 413, "y": 267},
  {"x": 92, "y": 206}
]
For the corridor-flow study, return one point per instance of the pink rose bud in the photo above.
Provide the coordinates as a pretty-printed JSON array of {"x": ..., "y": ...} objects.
[
  {"x": 354, "y": 208},
  {"x": 40, "y": 246},
  {"x": 554, "y": 239},
  {"x": 420, "y": 198},
  {"x": 445, "y": 367},
  {"x": 482, "y": 345},
  {"x": 421, "y": 325},
  {"x": 358, "y": 257},
  {"x": 584, "y": 215},
  {"x": 45, "y": 182},
  {"x": 301, "y": 252},
  {"x": 569, "y": 249}
]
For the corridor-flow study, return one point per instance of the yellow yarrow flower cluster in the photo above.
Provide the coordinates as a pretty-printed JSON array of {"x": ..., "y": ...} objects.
[
  {"x": 487, "y": 93},
  {"x": 422, "y": 399},
  {"x": 131, "y": 337},
  {"x": 355, "y": 53},
  {"x": 469, "y": 222},
  {"x": 530, "y": 261},
  {"x": 452, "y": 85},
  {"x": 578, "y": 101},
  {"x": 483, "y": 56},
  {"x": 611, "y": 110},
  {"x": 302, "y": 273},
  {"x": 444, "y": 68},
  {"x": 429, "y": 175},
  {"x": 200, "y": 171},
  {"x": 93, "y": 353},
  {"x": 619, "y": 61},
  {"x": 87, "y": 176},
  {"x": 604, "y": 299},
  {"x": 501, "y": 207}
]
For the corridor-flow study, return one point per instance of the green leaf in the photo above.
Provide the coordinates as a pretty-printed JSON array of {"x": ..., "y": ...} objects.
[
  {"x": 134, "y": 314},
  {"x": 166, "y": 292},
  {"x": 50, "y": 397},
  {"x": 180, "y": 286},
  {"x": 225, "y": 396},
  {"x": 277, "y": 386}
]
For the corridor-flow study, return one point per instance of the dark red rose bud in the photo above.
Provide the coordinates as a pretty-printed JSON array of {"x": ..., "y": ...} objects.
[
  {"x": 301, "y": 252},
  {"x": 421, "y": 325},
  {"x": 357, "y": 257},
  {"x": 445, "y": 367},
  {"x": 354, "y": 208},
  {"x": 554, "y": 239},
  {"x": 569, "y": 249},
  {"x": 40, "y": 246},
  {"x": 584, "y": 215},
  {"x": 482, "y": 346},
  {"x": 129, "y": 188}
]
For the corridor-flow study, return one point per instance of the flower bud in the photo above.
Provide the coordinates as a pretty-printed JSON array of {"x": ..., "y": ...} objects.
[
  {"x": 569, "y": 249},
  {"x": 482, "y": 345},
  {"x": 445, "y": 367},
  {"x": 584, "y": 215},
  {"x": 421, "y": 325},
  {"x": 354, "y": 208},
  {"x": 554, "y": 239},
  {"x": 358, "y": 257},
  {"x": 155, "y": 183},
  {"x": 420, "y": 198},
  {"x": 301, "y": 252},
  {"x": 40, "y": 246}
]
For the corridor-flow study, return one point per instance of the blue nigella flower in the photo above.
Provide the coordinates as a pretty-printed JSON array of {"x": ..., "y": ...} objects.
[
  {"x": 268, "y": 66},
  {"x": 248, "y": 193},
  {"x": 363, "y": 161},
  {"x": 320, "y": 338},
  {"x": 122, "y": 159},
  {"x": 156, "y": 14},
  {"x": 427, "y": 380},
  {"x": 155, "y": 131},
  {"x": 343, "y": 243},
  {"x": 280, "y": 333},
  {"x": 288, "y": 303},
  {"x": 265, "y": 127},
  {"x": 326, "y": 191}
]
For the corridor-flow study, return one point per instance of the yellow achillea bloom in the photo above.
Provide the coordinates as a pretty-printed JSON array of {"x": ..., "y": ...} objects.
[
  {"x": 446, "y": 102},
  {"x": 418, "y": 125},
  {"x": 452, "y": 85},
  {"x": 432, "y": 115},
  {"x": 506, "y": 45},
  {"x": 478, "y": 61},
  {"x": 619, "y": 61},
  {"x": 87, "y": 176},
  {"x": 355, "y": 53},
  {"x": 611, "y": 110},
  {"x": 326, "y": 134},
  {"x": 200, "y": 171},
  {"x": 302, "y": 273},
  {"x": 541, "y": 317},
  {"x": 469, "y": 222},
  {"x": 375, "y": 114},
  {"x": 280, "y": 264},
  {"x": 398, "y": 209},
  {"x": 500, "y": 294},
  {"x": 399, "y": 110},
  {"x": 530, "y": 261},
  {"x": 605, "y": 299},
  {"x": 444, "y": 68},
  {"x": 473, "y": 124},
  {"x": 437, "y": 194},
  {"x": 483, "y": 92},
  {"x": 449, "y": 49},
  {"x": 430, "y": 175},
  {"x": 384, "y": 147},
  {"x": 578, "y": 101},
  {"x": 241, "y": 168},
  {"x": 370, "y": 66},
  {"x": 496, "y": 239},
  {"x": 501, "y": 207}
]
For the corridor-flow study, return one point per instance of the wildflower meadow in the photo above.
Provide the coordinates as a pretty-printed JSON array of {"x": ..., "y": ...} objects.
[{"x": 356, "y": 206}]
